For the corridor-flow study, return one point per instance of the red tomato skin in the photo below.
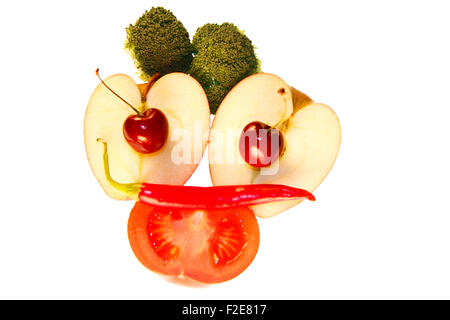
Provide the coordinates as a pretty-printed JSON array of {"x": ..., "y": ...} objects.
[
  {"x": 200, "y": 269},
  {"x": 138, "y": 238}
]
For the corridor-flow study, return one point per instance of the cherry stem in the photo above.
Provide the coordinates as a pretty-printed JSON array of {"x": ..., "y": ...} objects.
[
  {"x": 130, "y": 189},
  {"x": 149, "y": 85},
  {"x": 97, "y": 72}
]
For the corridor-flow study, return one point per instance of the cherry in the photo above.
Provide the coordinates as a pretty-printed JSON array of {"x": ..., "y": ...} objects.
[
  {"x": 260, "y": 145},
  {"x": 145, "y": 132}
]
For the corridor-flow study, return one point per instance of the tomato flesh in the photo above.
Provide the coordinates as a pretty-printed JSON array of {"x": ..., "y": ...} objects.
[{"x": 207, "y": 246}]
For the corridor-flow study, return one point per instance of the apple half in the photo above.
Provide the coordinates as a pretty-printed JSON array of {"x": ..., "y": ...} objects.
[
  {"x": 183, "y": 101},
  {"x": 311, "y": 131}
]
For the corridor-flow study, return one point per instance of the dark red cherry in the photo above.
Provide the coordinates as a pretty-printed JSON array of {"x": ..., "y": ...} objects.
[
  {"x": 146, "y": 133},
  {"x": 260, "y": 145}
]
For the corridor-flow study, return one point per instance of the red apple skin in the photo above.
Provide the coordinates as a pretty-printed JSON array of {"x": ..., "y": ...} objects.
[
  {"x": 146, "y": 133},
  {"x": 260, "y": 145}
]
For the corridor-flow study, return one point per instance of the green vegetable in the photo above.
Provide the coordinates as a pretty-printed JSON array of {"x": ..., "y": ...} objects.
[
  {"x": 223, "y": 56},
  {"x": 158, "y": 42}
]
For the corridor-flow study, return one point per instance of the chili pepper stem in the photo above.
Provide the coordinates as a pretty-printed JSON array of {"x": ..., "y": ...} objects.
[
  {"x": 130, "y": 189},
  {"x": 204, "y": 198}
]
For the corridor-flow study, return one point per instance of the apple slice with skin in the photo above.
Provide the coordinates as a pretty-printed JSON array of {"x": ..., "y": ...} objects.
[
  {"x": 311, "y": 133},
  {"x": 184, "y": 103}
]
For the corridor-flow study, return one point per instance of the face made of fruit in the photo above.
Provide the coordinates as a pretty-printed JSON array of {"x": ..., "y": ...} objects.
[
  {"x": 184, "y": 104},
  {"x": 311, "y": 134}
]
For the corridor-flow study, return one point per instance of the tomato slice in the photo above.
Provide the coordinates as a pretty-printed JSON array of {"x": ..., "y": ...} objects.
[{"x": 207, "y": 246}]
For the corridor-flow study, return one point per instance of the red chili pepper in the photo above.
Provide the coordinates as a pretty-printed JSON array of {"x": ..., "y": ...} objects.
[{"x": 217, "y": 197}]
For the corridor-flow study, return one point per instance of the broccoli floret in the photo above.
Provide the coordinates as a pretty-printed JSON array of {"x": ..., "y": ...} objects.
[
  {"x": 223, "y": 56},
  {"x": 158, "y": 42},
  {"x": 215, "y": 93}
]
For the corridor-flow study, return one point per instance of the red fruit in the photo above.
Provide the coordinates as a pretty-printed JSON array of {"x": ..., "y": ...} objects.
[
  {"x": 260, "y": 145},
  {"x": 208, "y": 246},
  {"x": 146, "y": 133}
]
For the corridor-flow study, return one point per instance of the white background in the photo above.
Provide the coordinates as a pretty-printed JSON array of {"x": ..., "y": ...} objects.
[{"x": 381, "y": 225}]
